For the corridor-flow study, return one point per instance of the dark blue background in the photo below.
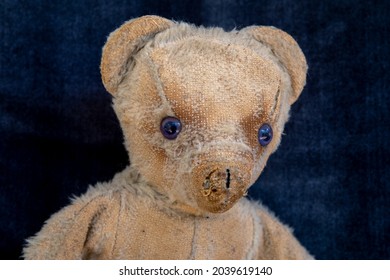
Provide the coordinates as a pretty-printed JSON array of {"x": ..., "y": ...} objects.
[{"x": 329, "y": 178}]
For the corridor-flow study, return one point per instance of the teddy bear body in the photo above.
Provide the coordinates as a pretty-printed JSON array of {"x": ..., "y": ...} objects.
[
  {"x": 110, "y": 222},
  {"x": 201, "y": 111}
]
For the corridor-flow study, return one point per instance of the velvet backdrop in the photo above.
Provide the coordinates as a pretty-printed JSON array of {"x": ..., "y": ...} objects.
[{"x": 329, "y": 179}]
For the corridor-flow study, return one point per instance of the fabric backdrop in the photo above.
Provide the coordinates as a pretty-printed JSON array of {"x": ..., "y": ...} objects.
[{"x": 329, "y": 179}]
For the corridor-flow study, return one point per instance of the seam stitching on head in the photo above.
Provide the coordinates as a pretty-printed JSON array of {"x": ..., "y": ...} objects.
[
  {"x": 159, "y": 83},
  {"x": 274, "y": 114}
]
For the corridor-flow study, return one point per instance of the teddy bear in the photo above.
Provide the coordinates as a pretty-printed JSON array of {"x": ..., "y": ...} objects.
[{"x": 201, "y": 111}]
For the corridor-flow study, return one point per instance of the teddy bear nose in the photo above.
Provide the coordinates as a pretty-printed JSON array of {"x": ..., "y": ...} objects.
[{"x": 217, "y": 181}]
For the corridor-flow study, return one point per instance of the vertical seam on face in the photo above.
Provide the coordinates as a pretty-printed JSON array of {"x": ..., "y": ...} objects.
[
  {"x": 159, "y": 84},
  {"x": 274, "y": 112}
]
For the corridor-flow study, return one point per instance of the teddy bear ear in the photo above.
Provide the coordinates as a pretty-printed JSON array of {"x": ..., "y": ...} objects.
[
  {"x": 123, "y": 43},
  {"x": 286, "y": 49}
]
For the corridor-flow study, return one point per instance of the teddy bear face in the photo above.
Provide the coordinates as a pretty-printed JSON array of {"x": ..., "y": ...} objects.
[{"x": 222, "y": 88}]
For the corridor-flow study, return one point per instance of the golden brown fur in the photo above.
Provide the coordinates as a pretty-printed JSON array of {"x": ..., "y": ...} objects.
[{"x": 183, "y": 198}]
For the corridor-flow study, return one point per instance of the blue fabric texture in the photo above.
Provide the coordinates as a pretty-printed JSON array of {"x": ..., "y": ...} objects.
[{"x": 329, "y": 179}]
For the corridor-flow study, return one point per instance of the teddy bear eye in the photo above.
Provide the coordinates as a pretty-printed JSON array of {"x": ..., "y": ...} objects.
[
  {"x": 265, "y": 134},
  {"x": 170, "y": 127}
]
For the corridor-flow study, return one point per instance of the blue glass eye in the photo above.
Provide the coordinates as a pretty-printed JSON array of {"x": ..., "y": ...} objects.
[
  {"x": 265, "y": 134},
  {"x": 170, "y": 127}
]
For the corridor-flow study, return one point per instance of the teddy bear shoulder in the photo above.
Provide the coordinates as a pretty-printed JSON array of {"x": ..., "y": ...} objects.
[
  {"x": 278, "y": 240},
  {"x": 66, "y": 232}
]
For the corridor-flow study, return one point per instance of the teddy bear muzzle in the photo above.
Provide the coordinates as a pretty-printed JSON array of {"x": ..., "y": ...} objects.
[{"x": 219, "y": 185}]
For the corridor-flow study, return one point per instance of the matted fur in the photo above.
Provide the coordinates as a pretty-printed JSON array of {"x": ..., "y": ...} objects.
[{"x": 182, "y": 198}]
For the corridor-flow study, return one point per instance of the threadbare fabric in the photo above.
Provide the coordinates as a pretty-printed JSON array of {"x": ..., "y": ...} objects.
[
  {"x": 112, "y": 64},
  {"x": 119, "y": 220},
  {"x": 183, "y": 198},
  {"x": 329, "y": 178},
  {"x": 223, "y": 86}
]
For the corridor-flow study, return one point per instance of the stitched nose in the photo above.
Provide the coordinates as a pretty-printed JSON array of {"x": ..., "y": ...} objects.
[{"x": 217, "y": 181}]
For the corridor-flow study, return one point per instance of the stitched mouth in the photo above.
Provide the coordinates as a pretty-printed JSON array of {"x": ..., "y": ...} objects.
[{"x": 227, "y": 179}]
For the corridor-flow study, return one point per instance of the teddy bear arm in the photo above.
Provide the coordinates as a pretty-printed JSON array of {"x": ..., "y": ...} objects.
[
  {"x": 66, "y": 234},
  {"x": 278, "y": 241}
]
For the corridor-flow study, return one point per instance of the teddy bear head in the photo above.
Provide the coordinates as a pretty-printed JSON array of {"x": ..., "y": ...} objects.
[{"x": 201, "y": 109}]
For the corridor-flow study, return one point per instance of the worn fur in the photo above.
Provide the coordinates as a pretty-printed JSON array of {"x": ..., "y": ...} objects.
[{"x": 222, "y": 86}]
